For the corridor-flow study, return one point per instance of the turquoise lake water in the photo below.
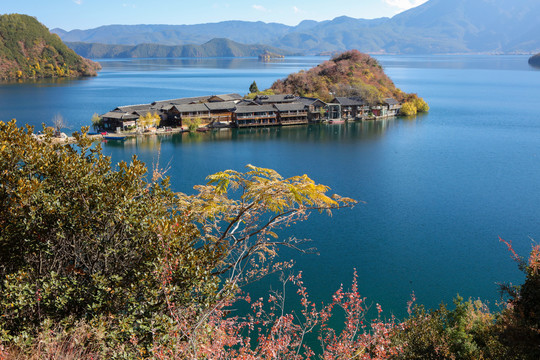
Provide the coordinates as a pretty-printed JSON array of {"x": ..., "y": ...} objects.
[{"x": 438, "y": 189}]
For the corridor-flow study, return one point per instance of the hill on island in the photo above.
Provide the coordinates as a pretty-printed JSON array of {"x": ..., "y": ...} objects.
[
  {"x": 435, "y": 27},
  {"x": 29, "y": 50},
  {"x": 351, "y": 73},
  {"x": 218, "y": 47}
]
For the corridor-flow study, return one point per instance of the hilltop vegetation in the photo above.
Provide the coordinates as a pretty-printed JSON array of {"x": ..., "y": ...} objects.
[
  {"x": 218, "y": 47},
  {"x": 348, "y": 74},
  {"x": 29, "y": 50},
  {"x": 351, "y": 73}
]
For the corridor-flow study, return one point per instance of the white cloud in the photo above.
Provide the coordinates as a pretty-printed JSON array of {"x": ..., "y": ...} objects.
[
  {"x": 404, "y": 4},
  {"x": 78, "y": 2},
  {"x": 129, "y": 6},
  {"x": 259, "y": 8},
  {"x": 296, "y": 10}
]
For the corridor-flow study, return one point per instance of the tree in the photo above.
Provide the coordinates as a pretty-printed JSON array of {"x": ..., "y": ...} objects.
[
  {"x": 408, "y": 109},
  {"x": 58, "y": 123},
  {"x": 253, "y": 88},
  {"x": 97, "y": 121},
  {"x": 519, "y": 324},
  {"x": 192, "y": 123},
  {"x": 83, "y": 240}
]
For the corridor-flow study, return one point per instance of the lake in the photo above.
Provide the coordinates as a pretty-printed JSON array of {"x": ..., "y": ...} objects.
[{"x": 439, "y": 189}]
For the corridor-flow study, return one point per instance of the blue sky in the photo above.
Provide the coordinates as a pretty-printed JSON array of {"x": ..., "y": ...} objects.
[{"x": 85, "y": 14}]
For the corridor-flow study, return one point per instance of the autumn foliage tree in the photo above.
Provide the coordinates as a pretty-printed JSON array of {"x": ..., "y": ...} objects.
[
  {"x": 82, "y": 240},
  {"x": 351, "y": 73}
]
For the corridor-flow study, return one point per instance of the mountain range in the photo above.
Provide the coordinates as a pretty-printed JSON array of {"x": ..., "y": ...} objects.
[
  {"x": 437, "y": 26},
  {"x": 213, "y": 48}
]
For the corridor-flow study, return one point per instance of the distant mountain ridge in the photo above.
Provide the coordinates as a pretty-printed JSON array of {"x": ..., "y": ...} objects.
[
  {"x": 437, "y": 26},
  {"x": 29, "y": 50},
  {"x": 213, "y": 48}
]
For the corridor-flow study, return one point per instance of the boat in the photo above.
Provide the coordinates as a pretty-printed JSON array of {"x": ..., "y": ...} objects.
[
  {"x": 336, "y": 121},
  {"x": 112, "y": 137},
  {"x": 202, "y": 129}
]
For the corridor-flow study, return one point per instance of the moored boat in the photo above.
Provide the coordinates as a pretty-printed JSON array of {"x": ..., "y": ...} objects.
[
  {"x": 112, "y": 137},
  {"x": 336, "y": 121}
]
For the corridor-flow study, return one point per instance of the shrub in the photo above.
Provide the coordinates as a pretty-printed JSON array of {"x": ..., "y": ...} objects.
[{"x": 408, "y": 109}]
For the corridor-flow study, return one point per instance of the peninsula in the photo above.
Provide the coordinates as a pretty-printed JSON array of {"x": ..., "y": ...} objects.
[
  {"x": 29, "y": 51},
  {"x": 352, "y": 86}
]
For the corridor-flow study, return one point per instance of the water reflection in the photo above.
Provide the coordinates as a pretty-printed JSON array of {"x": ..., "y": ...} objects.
[
  {"x": 458, "y": 62},
  {"x": 314, "y": 133},
  {"x": 166, "y": 64}
]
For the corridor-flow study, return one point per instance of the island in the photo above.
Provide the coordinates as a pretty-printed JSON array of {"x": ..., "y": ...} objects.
[
  {"x": 352, "y": 86},
  {"x": 29, "y": 51},
  {"x": 267, "y": 56},
  {"x": 535, "y": 60}
]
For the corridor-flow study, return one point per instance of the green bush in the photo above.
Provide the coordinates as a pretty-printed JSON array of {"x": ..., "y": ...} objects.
[{"x": 467, "y": 332}]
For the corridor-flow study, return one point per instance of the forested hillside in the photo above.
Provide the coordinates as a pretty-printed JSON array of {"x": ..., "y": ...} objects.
[
  {"x": 349, "y": 74},
  {"x": 213, "y": 48},
  {"x": 29, "y": 50}
]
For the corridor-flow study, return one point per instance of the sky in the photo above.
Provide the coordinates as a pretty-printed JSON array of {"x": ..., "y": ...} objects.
[{"x": 87, "y": 14}]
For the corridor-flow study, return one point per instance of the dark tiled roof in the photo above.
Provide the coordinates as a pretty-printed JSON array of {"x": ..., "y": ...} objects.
[
  {"x": 230, "y": 97},
  {"x": 390, "y": 101},
  {"x": 183, "y": 101},
  {"x": 296, "y": 106},
  {"x": 349, "y": 101},
  {"x": 245, "y": 102},
  {"x": 120, "y": 115},
  {"x": 131, "y": 108},
  {"x": 222, "y": 105},
  {"x": 254, "y": 108},
  {"x": 146, "y": 111},
  {"x": 191, "y": 108},
  {"x": 309, "y": 101},
  {"x": 270, "y": 99}
]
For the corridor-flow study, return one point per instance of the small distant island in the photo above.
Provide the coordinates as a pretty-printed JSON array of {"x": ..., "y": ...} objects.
[
  {"x": 29, "y": 51},
  {"x": 267, "y": 56},
  {"x": 535, "y": 60}
]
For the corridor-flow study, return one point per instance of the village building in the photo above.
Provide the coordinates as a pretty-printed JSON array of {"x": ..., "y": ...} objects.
[
  {"x": 293, "y": 113},
  {"x": 221, "y": 112},
  {"x": 114, "y": 120},
  {"x": 317, "y": 110},
  {"x": 233, "y": 110},
  {"x": 392, "y": 106},
  {"x": 352, "y": 108},
  {"x": 255, "y": 115},
  {"x": 189, "y": 112}
]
